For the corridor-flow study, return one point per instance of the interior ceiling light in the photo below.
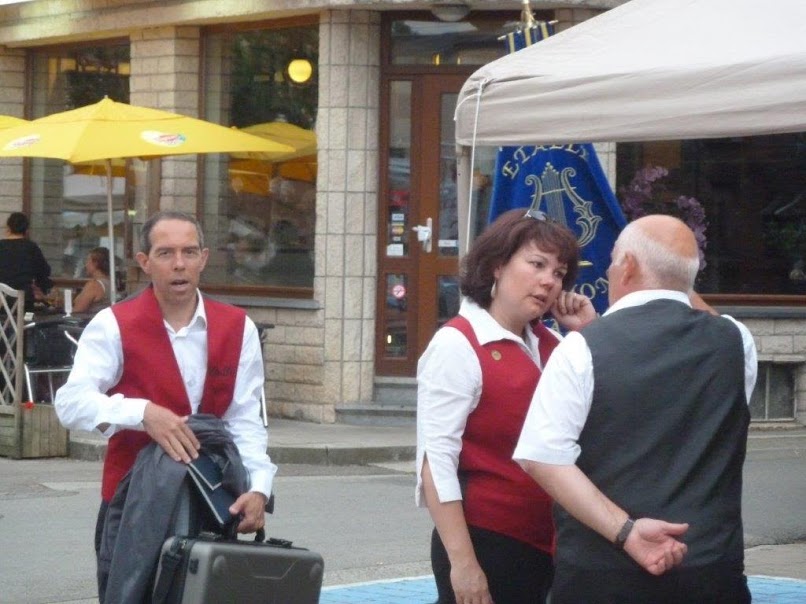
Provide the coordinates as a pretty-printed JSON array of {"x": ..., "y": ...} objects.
[
  {"x": 300, "y": 70},
  {"x": 450, "y": 11}
]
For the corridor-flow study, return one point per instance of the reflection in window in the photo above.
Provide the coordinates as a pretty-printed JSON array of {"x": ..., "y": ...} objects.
[
  {"x": 448, "y": 299},
  {"x": 68, "y": 204},
  {"x": 399, "y": 169},
  {"x": 395, "y": 313},
  {"x": 753, "y": 190},
  {"x": 259, "y": 211}
]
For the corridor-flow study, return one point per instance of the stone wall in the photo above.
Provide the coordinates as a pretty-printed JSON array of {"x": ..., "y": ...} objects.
[{"x": 12, "y": 99}]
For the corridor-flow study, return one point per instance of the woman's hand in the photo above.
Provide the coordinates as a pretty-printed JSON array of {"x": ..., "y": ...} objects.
[
  {"x": 573, "y": 311},
  {"x": 470, "y": 583}
]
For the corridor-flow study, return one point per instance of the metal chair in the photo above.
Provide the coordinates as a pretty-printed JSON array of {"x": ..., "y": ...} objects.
[{"x": 49, "y": 350}]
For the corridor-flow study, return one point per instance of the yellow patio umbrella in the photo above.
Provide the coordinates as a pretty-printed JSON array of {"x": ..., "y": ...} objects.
[
  {"x": 253, "y": 171},
  {"x": 110, "y": 130},
  {"x": 254, "y": 175},
  {"x": 301, "y": 141}
]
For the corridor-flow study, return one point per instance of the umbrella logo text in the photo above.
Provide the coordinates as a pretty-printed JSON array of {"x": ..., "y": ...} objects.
[
  {"x": 22, "y": 142},
  {"x": 162, "y": 139}
]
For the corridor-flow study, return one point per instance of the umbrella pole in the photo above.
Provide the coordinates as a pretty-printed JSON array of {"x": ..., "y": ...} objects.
[{"x": 110, "y": 217}]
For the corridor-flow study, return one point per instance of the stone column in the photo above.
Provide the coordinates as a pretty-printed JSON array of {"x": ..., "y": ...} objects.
[
  {"x": 12, "y": 102},
  {"x": 165, "y": 65},
  {"x": 347, "y": 262}
]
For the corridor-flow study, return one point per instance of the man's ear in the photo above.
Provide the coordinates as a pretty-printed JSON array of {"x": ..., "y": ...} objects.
[
  {"x": 631, "y": 269},
  {"x": 142, "y": 260}
]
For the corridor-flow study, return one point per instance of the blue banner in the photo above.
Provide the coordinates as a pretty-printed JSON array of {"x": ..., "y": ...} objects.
[
  {"x": 568, "y": 184},
  {"x": 526, "y": 36}
]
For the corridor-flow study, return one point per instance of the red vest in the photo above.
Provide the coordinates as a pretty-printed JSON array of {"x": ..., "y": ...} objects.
[
  {"x": 497, "y": 494},
  {"x": 150, "y": 371}
]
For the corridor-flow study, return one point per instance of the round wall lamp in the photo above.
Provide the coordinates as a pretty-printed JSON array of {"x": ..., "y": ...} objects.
[
  {"x": 299, "y": 71},
  {"x": 454, "y": 10}
]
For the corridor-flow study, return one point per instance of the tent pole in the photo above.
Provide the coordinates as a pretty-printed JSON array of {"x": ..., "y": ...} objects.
[
  {"x": 110, "y": 218},
  {"x": 527, "y": 18},
  {"x": 463, "y": 189}
]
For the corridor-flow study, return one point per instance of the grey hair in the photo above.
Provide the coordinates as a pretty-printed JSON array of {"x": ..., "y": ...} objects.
[
  {"x": 148, "y": 226},
  {"x": 662, "y": 267}
]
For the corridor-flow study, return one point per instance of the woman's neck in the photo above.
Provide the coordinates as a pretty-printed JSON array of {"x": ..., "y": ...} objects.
[{"x": 518, "y": 327}]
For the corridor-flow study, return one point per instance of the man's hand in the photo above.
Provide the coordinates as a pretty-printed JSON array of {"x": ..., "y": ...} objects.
[
  {"x": 653, "y": 545},
  {"x": 470, "y": 583},
  {"x": 171, "y": 432},
  {"x": 573, "y": 311},
  {"x": 252, "y": 509}
]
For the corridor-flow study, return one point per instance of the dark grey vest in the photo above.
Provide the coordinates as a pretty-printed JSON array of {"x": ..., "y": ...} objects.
[{"x": 667, "y": 430}]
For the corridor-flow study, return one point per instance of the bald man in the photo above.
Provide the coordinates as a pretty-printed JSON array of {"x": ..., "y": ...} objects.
[{"x": 643, "y": 416}]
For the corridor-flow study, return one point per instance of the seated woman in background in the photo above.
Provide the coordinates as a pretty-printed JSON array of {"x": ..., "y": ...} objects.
[{"x": 95, "y": 294}]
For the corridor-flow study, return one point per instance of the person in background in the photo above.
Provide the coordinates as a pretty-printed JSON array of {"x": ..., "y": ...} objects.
[
  {"x": 145, "y": 364},
  {"x": 95, "y": 294},
  {"x": 22, "y": 264},
  {"x": 493, "y": 537},
  {"x": 644, "y": 415}
]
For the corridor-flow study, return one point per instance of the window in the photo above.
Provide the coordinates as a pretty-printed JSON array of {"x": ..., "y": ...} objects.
[
  {"x": 774, "y": 396},
  {"x": 753, "y": 190},
  {"x": 68, "y": 203},
  {"x": 259, "y": 212}
]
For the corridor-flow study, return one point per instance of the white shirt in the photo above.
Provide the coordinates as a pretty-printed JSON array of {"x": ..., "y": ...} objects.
[
  {"x": 82, "y": 404},
  {"x": 449, "y": 384},
  {"x": 562, "y": 401}
]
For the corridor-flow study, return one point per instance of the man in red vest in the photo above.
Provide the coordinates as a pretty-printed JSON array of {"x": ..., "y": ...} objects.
[{"x": 145, "y": 364}]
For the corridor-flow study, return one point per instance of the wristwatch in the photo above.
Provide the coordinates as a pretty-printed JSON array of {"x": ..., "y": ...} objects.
[{"x": 621, "y": 538}]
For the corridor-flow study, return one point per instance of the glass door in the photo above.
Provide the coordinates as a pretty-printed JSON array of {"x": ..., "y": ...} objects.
[{"x": 418, "y": 283}]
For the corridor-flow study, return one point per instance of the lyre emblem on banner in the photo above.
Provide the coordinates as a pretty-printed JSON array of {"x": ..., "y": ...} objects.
[{"x": 550, "y": 186}]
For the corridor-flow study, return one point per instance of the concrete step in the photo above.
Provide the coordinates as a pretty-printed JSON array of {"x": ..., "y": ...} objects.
[
  {"x": 377, "y": 415},
  {"x": 395, "y": 391},
  {"x": 394, "y": 404}
]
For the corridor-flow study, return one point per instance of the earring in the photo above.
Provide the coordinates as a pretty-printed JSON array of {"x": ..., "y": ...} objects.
[{"x": 494, "y": 289}]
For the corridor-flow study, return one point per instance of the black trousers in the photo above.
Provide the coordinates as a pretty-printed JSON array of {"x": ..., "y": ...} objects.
[
  {"x": 517, "y": 573},
  {"x": 714, "y": 584},
  {"x": 101, "y": 576}
]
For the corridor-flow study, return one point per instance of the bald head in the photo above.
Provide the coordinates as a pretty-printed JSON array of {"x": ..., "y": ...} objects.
[
  {"x": 670, "y": 232},
  {"x": 664, "y": 252}
]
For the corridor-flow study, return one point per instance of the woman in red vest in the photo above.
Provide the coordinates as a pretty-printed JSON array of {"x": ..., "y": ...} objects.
[{"x": 494, "y": 536}]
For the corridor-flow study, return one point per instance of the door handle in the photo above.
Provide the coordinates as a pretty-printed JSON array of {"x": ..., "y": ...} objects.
[{"x": 424, "y": 234}]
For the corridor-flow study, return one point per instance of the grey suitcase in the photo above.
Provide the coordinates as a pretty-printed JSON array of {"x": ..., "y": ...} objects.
[{"x": 211, "y": 569}]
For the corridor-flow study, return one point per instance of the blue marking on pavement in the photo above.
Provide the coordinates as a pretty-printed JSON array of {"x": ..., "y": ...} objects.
[
  {"x": 776, "y": 590},
  {"x": 422, "y": 590}
]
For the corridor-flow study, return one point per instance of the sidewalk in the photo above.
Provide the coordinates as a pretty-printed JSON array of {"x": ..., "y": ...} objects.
[
  {"x": 777, "y": 572},
  {"x": 298, "y": 442}
]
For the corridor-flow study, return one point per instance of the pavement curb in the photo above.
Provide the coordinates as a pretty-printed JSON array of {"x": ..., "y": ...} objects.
[{"x": 341, "y": 456}]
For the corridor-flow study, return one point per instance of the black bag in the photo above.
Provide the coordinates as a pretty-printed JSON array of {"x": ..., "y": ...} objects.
[{"x": 212, "y": 569}]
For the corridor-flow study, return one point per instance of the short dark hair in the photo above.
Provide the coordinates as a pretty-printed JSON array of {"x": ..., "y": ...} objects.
[
  {"x": 502, "y": 239},
  {"x": 100, "y": 256},
  {"x": 18, "y": 223},
  {"x": 148, "y": 226}
]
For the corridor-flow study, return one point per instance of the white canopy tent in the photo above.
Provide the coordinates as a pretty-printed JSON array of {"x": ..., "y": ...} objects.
[{"x": 646, "y": 70}]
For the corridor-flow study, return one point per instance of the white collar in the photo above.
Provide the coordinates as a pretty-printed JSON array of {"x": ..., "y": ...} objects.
[
  {"x": 487, "y": 329},
  {"x": 648, "y": 295}
]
